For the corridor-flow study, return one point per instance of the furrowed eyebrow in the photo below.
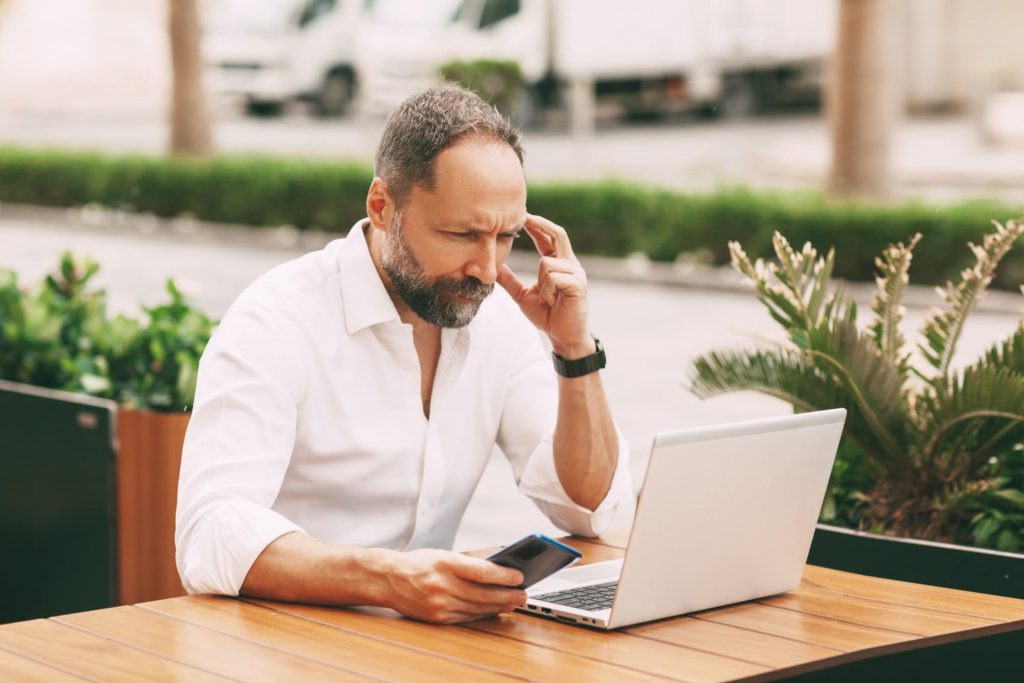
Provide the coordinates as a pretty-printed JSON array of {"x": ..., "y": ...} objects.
[{"x": 467, "y": 228}]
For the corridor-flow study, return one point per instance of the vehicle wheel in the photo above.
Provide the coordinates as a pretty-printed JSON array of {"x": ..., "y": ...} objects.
[
  {"x": 336, "y": 94},
  {"x": 263, "y": 109},
  {"x": 739, "y": 97}
]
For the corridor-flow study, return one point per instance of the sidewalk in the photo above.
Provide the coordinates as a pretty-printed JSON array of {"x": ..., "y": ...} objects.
[{"x": 652, "y": 330}]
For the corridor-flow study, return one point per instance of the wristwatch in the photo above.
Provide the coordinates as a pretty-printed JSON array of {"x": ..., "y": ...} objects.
[{"x": 580, "y": 366}]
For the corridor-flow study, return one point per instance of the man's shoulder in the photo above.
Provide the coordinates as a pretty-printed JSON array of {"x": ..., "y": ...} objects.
[{"x": 310, "y": 279}]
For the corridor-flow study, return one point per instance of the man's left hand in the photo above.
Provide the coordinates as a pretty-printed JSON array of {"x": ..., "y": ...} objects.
[{"x": 557, "y": 302}]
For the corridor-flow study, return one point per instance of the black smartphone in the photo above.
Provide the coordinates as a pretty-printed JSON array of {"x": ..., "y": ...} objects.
[{"x": 536, "y": 556}]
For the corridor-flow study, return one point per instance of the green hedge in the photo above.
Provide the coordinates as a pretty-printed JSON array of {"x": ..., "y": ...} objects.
[{"x": 608, "y": 218}]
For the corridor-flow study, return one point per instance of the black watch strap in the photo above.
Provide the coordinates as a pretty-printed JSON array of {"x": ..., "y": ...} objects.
[{"x": 580, "y": 366}]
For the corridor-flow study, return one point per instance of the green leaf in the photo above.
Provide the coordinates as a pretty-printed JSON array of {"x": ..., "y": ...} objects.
[
  {"x": 1008, "y": 541},
  {"x": 984, "y": 530},
  {"x": 1013, "y": 496}
]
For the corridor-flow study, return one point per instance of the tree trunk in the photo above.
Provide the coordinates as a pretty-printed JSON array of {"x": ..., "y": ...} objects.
[
  {"x": 190, "y": 117},
  {"x": 862, "y": 99}
]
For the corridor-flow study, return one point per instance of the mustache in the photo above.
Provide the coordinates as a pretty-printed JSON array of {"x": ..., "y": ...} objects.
[{"x": 469, "y": 288}]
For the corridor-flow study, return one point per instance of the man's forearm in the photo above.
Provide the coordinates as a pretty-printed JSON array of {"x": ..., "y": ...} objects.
[
  {"x": 586, "y": 444},
  {"x": 430, "y": 585},
  {"x": 299, "y": 568}
]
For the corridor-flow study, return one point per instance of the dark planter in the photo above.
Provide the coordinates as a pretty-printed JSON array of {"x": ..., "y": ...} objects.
[
  {"x": 87, "y": 500},
  {"x": 904, "y": 559},
  {"x": 58, "y": 502}
]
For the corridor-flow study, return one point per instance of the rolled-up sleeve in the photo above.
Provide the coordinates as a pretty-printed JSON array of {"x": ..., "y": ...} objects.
[
  {"x": 526, "y": 436},
  {"x": 237, "y": 450}
]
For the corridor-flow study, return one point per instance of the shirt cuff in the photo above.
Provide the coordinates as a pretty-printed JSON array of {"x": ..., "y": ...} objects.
[
  {"x": 541, "y": 483},
  {"x": 225, "y": 542}
]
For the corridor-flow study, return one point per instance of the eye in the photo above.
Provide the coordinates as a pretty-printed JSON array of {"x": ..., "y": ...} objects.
[
  {"x": 462, "y": 235},
  {"x": 509, "y": 237}
]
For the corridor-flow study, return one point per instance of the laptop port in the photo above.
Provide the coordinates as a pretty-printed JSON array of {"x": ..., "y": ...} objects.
[{"x": 545, "y": 610}]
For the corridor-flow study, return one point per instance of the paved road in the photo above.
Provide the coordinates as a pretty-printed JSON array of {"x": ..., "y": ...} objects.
[{"x": 652, "y": 334}]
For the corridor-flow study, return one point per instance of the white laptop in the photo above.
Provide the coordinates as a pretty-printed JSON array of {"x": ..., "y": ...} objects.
[{"x": 726, "y": 514}]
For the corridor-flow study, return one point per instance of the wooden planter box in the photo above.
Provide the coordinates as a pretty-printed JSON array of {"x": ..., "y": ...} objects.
[{"x": 148, "y": 459}]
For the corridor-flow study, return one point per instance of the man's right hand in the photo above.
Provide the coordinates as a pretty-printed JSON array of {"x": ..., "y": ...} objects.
[{"x": 445, "y": 587}]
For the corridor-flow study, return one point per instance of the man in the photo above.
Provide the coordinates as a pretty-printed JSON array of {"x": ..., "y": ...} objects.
[{"x": 349, "y": 400}]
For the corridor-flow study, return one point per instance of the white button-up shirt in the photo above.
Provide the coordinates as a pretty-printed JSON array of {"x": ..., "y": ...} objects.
[{"x": 308, "y": 417}]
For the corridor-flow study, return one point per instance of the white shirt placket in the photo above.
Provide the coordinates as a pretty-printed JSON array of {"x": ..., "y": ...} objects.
[{"x": 454, "y": 344}]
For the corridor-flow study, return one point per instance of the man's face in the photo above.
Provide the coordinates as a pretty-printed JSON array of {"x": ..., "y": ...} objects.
[{"x": 444, "y": 248}]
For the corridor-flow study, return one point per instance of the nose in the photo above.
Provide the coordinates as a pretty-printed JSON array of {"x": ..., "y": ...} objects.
[{"x": 484, "y": 264}]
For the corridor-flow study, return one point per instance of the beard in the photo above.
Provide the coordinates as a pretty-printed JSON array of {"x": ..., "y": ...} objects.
[{"x": 432, "y": 300}]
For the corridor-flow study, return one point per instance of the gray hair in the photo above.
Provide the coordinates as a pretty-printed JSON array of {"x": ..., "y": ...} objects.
[{"x": 428, "y": 123}]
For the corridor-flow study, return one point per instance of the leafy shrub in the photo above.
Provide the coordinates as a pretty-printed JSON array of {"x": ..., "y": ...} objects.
[
  {"x": 58, "y": 335},
  {"x": 928, "y": 451},
  {"x": 608, "y": 218},
  {"x": 497, "y": 82}
]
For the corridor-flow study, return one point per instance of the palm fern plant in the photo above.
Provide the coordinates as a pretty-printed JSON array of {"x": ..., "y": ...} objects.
[{"x": 928, "y": 451}]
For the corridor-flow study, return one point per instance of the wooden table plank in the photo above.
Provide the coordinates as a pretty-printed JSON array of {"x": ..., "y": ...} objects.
[
  {"x": 92, "y": 656},
  {"x": 806, "y": 628},
  {"x": 18, "y": 669},
  {"x": 510, "y": 656},
  {"x": 352, "y": 652},
  {"x": 919, "y": 595},
  {"x": 200, "y": 647},
  {"x": 853, "y": 610},
  {"x": 620, "y": 648},
  {"x": 761, "y": 648}
]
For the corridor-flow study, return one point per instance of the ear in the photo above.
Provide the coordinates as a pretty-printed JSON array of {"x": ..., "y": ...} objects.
[{"x": 380, "y": 207}]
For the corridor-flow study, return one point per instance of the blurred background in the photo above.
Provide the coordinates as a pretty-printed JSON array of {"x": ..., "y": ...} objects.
[
  {"x": 209, "y": 140},
  {"x": 680, "y": 94}
]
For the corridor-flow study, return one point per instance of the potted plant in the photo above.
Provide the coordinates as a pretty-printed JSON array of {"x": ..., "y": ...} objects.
[
  {"x": 929, "y": 452},
  {"x": 58, "y": 335}
]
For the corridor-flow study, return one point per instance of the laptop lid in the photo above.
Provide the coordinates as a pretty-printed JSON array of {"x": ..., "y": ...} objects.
[{"x": 726, "y": 514}]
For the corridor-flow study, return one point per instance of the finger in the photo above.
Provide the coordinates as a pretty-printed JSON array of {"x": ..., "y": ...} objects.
[
  {"x": 554, "y": 232},
  {"x": 512, "y": 284},
  {"x": 545, "y": 245},
  {"x": 551, "y": 264},
  {"x": 486, "y": 594},
  {"x": 483, "y": 571},
  {"x": 479, "y": 608},
  {"x": 564, "y": 284}
]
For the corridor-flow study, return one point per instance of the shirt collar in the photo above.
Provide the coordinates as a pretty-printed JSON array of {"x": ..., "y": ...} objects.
[{"x": 363, "y": 295}]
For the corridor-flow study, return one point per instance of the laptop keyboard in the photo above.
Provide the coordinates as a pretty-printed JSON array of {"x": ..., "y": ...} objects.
[{"x": 592, "y": 598}]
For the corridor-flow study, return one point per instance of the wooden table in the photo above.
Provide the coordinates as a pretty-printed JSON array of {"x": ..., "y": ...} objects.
[{"x": 834, "y": 617}]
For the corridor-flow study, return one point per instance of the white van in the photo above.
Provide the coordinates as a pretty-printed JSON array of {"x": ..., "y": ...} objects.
[
  {"x": 643, "y": 56},
  {"x": 273, "y": 51}
]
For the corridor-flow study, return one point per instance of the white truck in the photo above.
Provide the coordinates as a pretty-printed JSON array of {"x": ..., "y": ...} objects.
[
  {"x": 723, "y": 56},
  {"x": 274, "y": 51}
]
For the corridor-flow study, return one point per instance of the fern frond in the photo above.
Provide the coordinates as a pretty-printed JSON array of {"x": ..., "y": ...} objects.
[
  {"x": 942, "y": 330},
  {"x": 978, "y": 415},
  {"x": 777, "y": 372},
  {"x": 794, "y": 290},
  {"x": 1009, "y": 353},
  {"x": 892, "y": 280},
  {"x": 872, "y": 381},
  {"x": 783, "y": 374}
]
